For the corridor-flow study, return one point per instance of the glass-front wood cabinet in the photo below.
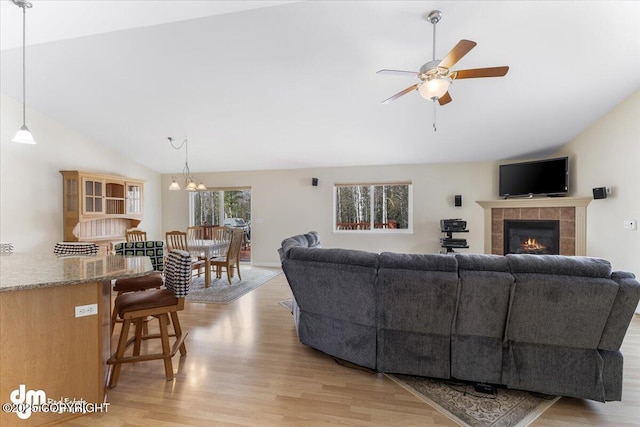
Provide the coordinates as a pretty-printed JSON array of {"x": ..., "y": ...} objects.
[
  {"x": 93, "y": 193},
  {"x": 100, "y": 208},
  {"x": 134, "y": 198}
]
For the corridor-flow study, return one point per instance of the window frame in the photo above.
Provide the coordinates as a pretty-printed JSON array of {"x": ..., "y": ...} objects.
[{"x": 372, "y": 230}]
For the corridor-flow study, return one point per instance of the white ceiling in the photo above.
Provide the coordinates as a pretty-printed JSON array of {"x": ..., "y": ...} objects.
[{"x": 269, "y": 85}]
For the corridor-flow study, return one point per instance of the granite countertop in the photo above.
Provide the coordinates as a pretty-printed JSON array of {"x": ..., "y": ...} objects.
[{"x": 21, "y": 271}]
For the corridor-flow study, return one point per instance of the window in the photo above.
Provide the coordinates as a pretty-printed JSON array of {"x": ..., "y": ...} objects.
[
  {"x": 373, "y": 207},
  {"x": 212, "y": 207}
]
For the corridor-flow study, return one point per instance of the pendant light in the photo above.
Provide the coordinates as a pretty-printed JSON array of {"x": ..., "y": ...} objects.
[
  {"x": 23, "y": 135},
  {"x": 189, "y": 183}
]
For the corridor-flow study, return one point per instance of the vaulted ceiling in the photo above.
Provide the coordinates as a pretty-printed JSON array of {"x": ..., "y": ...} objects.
[{"x": 270, "y": 85}]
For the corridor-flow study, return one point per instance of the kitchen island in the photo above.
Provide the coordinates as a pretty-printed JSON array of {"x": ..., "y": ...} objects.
[{"x": 55, "y": 334}]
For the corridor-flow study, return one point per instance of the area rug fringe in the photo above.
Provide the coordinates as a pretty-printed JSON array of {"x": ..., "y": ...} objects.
[{"x": 427, "y": 400}]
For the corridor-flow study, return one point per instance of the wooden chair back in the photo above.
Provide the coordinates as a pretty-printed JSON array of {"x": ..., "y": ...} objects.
[
  {"x": 233, "y": 253},
  {"x": 195, "y": 233},
  {"x": 136, "y": 236},
  {"x": 221, "y": 234},
  {"x": 176, "y": 240},
  {"x": 232, "y": 258}
]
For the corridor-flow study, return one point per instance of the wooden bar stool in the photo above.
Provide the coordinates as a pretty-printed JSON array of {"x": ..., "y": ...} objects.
[
  {"x": 134, "y": 307},
  {"x": 154, "y": 249}
]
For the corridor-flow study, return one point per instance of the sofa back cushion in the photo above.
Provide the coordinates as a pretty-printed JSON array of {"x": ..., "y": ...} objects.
[
  {"x": 334, "y": 290},
  {"x": 483, "y": 298},
  {"x": 559, "y": 265},
  {"x": 416, "y": 303},
  {"x": 480, "y": 317},
  {"x": 558, "y": 300}
]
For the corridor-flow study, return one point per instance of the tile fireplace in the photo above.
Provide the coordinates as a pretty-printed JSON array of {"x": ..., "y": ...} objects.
[{"x": 569, "y": 215}]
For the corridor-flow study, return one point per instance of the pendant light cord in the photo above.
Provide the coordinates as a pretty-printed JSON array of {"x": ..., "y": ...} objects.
[{"x": 24, "y": 79}]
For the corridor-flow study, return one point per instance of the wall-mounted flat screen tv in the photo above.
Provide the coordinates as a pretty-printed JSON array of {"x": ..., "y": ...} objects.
[{"x": 541, "y": 177}]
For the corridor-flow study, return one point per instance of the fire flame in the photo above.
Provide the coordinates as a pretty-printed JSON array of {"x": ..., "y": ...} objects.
[{"x": 532, "y": 245}]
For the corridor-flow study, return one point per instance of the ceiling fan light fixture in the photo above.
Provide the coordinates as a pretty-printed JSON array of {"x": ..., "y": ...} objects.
[{"x": 434, "y": 88}]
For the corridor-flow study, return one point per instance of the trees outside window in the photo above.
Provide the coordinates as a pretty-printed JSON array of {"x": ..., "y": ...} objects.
[
  {"x": 378, "y": 207},
  {"x": 212, "y": 207}
]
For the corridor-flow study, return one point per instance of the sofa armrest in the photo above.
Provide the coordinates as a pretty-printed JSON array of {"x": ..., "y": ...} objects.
[{"x": 622, "y": 311}]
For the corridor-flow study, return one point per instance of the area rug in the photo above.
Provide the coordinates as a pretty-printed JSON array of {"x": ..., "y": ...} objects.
[
  {"x": 461, "y": 403},
  {"x": 220, "y": 292}
]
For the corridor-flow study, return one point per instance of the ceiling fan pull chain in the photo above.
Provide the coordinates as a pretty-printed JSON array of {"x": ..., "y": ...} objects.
[{"x": 434, "y": 115}]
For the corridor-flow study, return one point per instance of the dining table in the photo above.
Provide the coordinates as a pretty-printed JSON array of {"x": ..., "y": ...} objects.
[{"x": 208, "y": 249}]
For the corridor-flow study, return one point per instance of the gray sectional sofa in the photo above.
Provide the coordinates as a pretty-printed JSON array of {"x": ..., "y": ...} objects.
[{"x": 548, "y": 324}]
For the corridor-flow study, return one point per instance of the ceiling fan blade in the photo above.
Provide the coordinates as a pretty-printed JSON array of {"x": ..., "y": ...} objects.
[
  {"x": 398, "y": 72},
  {"x": 399, "y": 94},
  {"x": 480, "y": 72},
  {"x": 461, "y": 49},
  {"x": 444, "y": 99}
]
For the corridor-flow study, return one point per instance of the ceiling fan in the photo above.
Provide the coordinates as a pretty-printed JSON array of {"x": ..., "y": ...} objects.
[{"x": 436, "y": 75}]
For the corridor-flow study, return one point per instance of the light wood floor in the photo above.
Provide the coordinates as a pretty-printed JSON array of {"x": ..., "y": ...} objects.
[{"x": 245, "y": 367}]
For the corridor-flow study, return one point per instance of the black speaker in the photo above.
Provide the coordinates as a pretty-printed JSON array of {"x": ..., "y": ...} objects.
[
  {"x": 458, "y": 199},
  {"x": 314, "y": 182},
  {"x": 600, "y": 193}
]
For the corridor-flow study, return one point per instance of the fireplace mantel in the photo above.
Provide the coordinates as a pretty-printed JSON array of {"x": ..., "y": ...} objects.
[{"x": 529, "y": 206}]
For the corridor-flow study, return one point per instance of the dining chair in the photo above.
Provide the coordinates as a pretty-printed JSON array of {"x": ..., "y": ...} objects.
[
  {"x": 177, "y": 240},
  {"x": 155, "y": 251},
  {"x": 163, "y": 304},
  {"x": 195, "y": 237},
  {"x": 232, "y": 257},
  {"x": 135, "y": 235},
  {"x": 221, "y": 233},
  {"x": 75, "y": 249},
  {"x": 195, "y": 233}
]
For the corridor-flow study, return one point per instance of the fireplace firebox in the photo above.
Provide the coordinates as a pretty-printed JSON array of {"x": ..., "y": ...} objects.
[{"x": 540, "y": 237}]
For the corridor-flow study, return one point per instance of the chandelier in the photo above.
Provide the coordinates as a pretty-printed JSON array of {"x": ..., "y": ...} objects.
[{"x": 189, "y": 183}]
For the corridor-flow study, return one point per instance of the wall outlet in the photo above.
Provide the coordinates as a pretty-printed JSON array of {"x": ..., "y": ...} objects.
[
  {"x": 86, "y": 310},
  {"x": 630, "y": 224}
]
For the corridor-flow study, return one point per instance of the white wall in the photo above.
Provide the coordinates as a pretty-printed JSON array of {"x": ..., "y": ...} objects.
[
  {"x": 607, "y": 154},
  {"x": 31, "y": 185},
  {"x": 284, "y": 203}
]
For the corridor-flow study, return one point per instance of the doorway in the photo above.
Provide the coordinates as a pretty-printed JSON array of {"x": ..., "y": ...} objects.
[{"x": 224, "y": 206}]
